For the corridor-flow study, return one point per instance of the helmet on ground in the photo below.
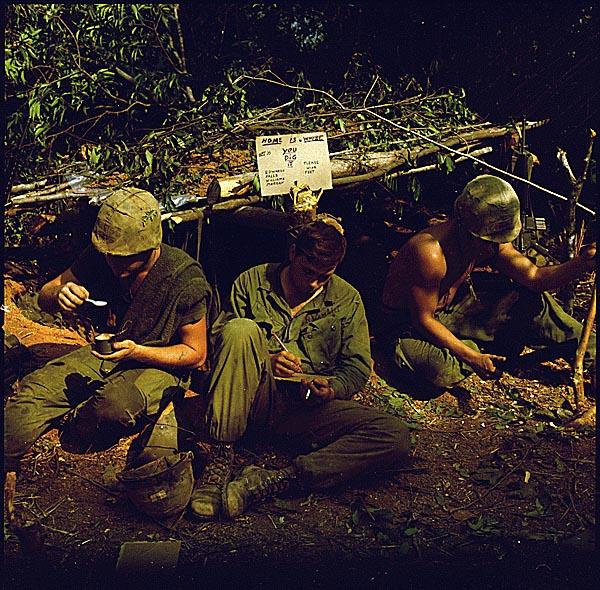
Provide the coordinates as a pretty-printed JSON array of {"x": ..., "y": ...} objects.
[
  {"x": 128, "y": 223},
  {"x": 161, "y": 488},
  {"x": 489, "y": 208}
]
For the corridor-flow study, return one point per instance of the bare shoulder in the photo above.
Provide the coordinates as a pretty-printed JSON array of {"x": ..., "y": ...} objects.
[
  {"x": 421, "y": 259},
  {"x": 427, "y": 254}
]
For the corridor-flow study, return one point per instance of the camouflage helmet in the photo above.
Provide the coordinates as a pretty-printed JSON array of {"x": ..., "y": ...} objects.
[
  {"x": 161, "y": 488},
  {"x": 489, "y": 208},
  {"x": 128, "y": 223}
]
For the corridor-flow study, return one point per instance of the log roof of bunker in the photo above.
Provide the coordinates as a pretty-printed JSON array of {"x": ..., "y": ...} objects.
[{"x": 362, "y": 145}]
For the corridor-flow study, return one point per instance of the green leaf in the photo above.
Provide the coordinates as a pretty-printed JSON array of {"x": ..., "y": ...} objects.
[
  {"x": 475, "y": 526},
  {"x": 564, "y": 414},
  {"x": 34, "y": 109},
  {"x": 441, "y": 499},
  {"x": 149, "y": 158}
]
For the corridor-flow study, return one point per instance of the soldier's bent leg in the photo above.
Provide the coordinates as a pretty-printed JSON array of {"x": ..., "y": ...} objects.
[
  {"x": 241, "y": 386},
  {"x": 44, "y": 397},
  {"x": 430, "y": 369},
  {"x": 125, "y": 402},
  {"x": 342, "y": 440}
]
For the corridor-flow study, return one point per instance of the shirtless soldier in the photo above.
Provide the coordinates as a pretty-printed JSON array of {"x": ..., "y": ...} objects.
[{"x": 440, "y": 328}]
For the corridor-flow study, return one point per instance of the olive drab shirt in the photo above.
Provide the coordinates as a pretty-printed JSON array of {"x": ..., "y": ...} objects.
[{"x": 330, "y": 334}]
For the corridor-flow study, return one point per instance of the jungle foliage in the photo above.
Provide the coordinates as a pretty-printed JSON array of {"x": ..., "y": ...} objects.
[
  {"x": 138, "y": 88},
  {"x": 82, "y": 99}
]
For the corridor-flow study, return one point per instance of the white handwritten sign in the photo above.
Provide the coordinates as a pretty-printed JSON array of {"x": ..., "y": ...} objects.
[{"x": 282, "y": 159}]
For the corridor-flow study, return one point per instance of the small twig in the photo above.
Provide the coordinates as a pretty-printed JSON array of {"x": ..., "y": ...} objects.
[
  {"x": 575, "y": 460},
  {"x": 561, "y": 156},
  {"x": 95, "y": 483},
  {"x": 181, "y": 55},
  {"x": 375, "y": 80},
  {"x": 572, "y": 485},
  {"x": 47, "y": 526},
  {"x": 49, "y": 511},
  {"x": 564, "y": 514}
]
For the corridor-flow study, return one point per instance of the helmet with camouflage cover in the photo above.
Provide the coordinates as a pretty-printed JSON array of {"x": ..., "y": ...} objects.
[
  {"x": 128, "y": 223},
  {"x": 489, "y": 208},
  {"x": 161, "y": 488}
]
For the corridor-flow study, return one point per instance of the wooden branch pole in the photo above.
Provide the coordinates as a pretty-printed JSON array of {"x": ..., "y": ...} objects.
[
  {"x": 31, "y": 186},
  {"x": 585, "y": 418},
  {"x": 431, "y": 167},
  {"x": 572, "y": 241},
  {"x": 580, "y": 399},
  {"x": 26, "y": 199},
  {"x": 576, "y": 188}
]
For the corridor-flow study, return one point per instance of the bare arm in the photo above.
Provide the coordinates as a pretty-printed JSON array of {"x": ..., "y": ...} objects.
[
  {"x": 62, "y": 293},
  {"x": 518, "y": 267},
  {"x": 189, "y": 353},
  {"x": 429, "y": 271}
]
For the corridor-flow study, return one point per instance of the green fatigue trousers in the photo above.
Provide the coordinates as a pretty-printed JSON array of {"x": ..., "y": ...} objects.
[
  {"x": 503, "y": 319},
  {"x": 339, "y": 440},
  {"x": 100, "y": 401}
]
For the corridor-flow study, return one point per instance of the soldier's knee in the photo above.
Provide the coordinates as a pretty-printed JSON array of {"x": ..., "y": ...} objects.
[
  {"x": 239, "y": 329},
  {"x": 397, "y": 435},
  {"x": 444, "y": 381},
  {"x": 119, "y": 406}
]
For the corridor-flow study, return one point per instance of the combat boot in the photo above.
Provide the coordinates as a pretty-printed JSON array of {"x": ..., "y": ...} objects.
[
  {"x": 255, "y": 484},
  {"x": 206, "y": 497}
]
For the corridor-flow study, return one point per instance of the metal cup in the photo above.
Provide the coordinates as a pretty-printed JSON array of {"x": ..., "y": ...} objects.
[{"x": 103, "y": 343}]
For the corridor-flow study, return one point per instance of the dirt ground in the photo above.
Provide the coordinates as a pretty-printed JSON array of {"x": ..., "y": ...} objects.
[{"x": 497, "y": 494}]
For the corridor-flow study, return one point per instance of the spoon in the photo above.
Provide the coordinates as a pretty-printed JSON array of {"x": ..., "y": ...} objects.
[{"x": 97, "y": 303}]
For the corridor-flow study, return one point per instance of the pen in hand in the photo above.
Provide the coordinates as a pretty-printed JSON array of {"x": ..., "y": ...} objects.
[
  {"x": 279, "y": 341},
  {"x": 284, "y": 347}
]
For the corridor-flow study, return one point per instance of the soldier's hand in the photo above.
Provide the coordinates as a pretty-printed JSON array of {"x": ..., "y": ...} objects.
[
  {"x": 123, "y": 349},
  {"x": 320, "y": 387},
  {"x": 71, "y": 295},
  {"x": 285, "y": 364},
  {"x": 10, "y": 487},
  {"x": 485, "y": 367}
]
